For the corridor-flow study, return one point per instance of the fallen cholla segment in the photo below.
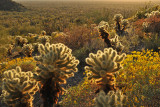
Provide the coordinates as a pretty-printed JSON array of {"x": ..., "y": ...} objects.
[
  {"x": 18, "y": 88},
  {"x": 112, "y": 99}
]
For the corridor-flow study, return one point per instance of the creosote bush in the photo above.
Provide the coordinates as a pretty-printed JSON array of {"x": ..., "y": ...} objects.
[{"x": 18, "y": 88}]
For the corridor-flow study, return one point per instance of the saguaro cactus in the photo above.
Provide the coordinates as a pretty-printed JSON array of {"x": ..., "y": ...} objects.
[
  {"x": 112, "y": 99},
  {"x": 103, "y": 66},
  {"x": 18, "y": 88},
  {"x": 56, "y": 64}
]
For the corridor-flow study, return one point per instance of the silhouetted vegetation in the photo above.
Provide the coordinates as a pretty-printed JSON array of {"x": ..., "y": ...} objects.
[{"x": 9, "y": 5}]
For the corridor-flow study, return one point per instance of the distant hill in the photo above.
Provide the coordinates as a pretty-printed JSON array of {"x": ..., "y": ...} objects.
[{"x": 9, "y": 5}]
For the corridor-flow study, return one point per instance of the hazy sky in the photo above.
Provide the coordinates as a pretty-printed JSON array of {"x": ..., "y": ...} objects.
[{"x": 90, "y": 0}]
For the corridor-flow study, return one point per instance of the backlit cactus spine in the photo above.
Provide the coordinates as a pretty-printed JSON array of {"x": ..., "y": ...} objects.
[
  {"x": 112, "y": 99},
  {"x": 56, "y": 64},
  {"x": 121, "y": 24},
  {"x": 18, "y": 88},
  {"x": 27, "y": 50},
  {"x": 103, "y": 66}
]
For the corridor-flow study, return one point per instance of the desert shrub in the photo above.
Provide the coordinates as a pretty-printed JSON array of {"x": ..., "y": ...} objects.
[
  {"x": 147, "y": 10},
  {"x": 152, "y": 42},
  {"x": 26, "y": 64},
  {"x": 80, "y": 95},
  {"x": 139, "y": 77},
  {"x": 76, "y": 37}
]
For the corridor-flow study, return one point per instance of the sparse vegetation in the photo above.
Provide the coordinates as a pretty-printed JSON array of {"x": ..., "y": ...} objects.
[{"x": 89, "y": 53}]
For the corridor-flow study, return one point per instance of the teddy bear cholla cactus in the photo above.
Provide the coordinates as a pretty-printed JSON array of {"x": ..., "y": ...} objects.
[
  {"x": 103, "y": 24},
  {"x": 152, "y": 14},
  {"x": 9, "y": 49},
  {"x": 27, "y": 50},
  {"x": 56, "y": 64},
  {"x": 18, "y": 88},
  {"x": 116, "y": 44},
  {"x": 19, "y": 41},
  {"x": 103, "y": 66},
  {"x": 121, "y": 24},
  {"x": 112, "y": 99}
]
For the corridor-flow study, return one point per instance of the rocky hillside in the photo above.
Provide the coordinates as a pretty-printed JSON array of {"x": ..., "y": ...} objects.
[{"x": 9, "y": 5}]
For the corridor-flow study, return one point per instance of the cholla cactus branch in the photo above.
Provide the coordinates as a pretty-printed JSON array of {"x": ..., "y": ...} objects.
[
  {"x": 103, "y": 24},
  {"x": 44, "y": 39},
  {"x": 35, "y": 47},
  {"x": 19, "y": 41},
  {"x": 103, "y": 66},
  {"x": 121, "y": 24},
  {"x": 116, "y": 44},
  {"x": 56, "y": 65},
  {"x": 112, "y": 99},
  {"x": 18, "y": 88},
  {"x": 104, "y": 35},
  {"x": 27, "y": 50},
  {"x": 9, "y": 49}
]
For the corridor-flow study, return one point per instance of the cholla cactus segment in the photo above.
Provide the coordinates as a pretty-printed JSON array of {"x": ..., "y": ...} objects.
[
  {"x": 44, "y": 39},
  {"x": 19, "y": 41},
  {"x": 103, "y": 24},
  {"x": 116, "y": 44},
  {"x": 18, "y": 87},
  {"x": 43, "y": 33},
  {"x": 118, "y": 17},
  {"x": 125, "y": 22},
  {"x": 54, "y": 34},
  {"x": 57, "y": 62},
  {"x": 27, "y": 50},
  {"x": 9, "y": 49},
  {"x": 103, "y": 64},
  {"x": 35, "y": 46},
  {"x": 112, "y": 99}
]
